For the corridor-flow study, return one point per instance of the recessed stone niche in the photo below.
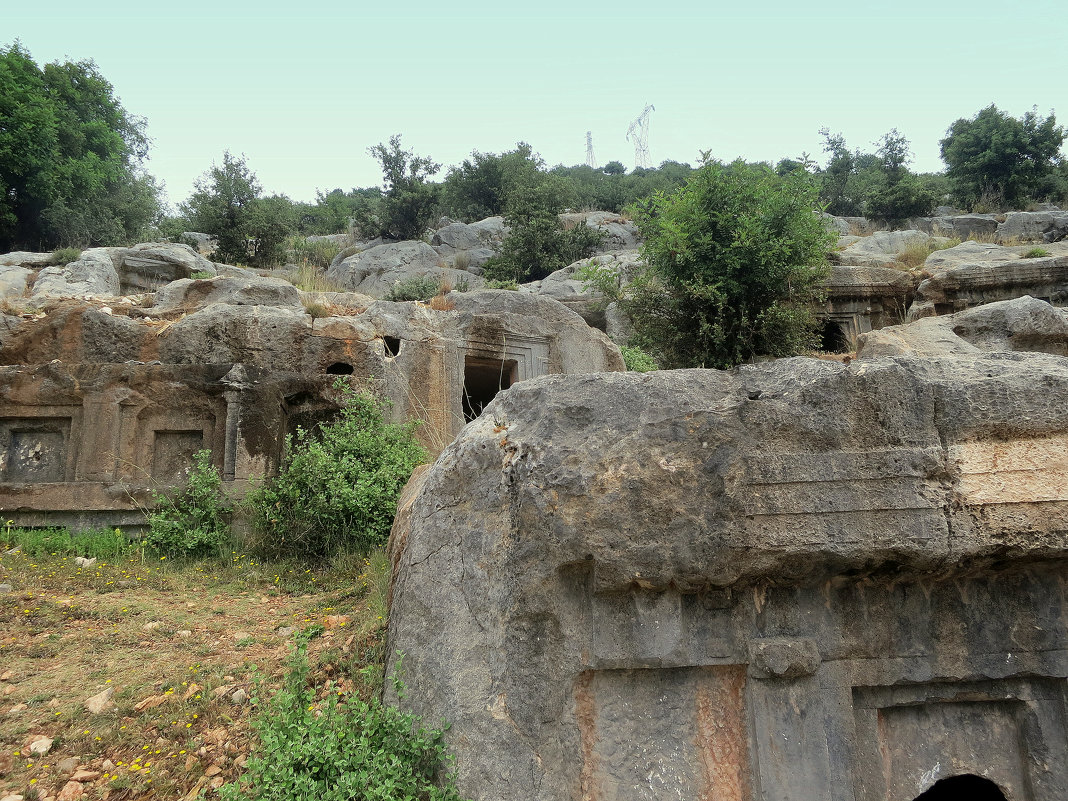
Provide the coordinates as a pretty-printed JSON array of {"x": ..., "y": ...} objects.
[
  {"x": 34, "y": 449},
  {"x": 172, "y": 453}
]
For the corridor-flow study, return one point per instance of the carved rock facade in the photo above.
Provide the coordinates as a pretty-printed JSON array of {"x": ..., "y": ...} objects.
[{"x": 795, "y": 581}]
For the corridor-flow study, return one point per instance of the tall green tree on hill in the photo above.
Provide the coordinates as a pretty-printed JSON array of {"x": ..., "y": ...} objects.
[
  {"x": 70, "y": 157},
  {"x": 994, "y": 160}
]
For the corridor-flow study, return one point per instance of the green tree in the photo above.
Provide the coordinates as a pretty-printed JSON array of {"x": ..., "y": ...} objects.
[
  {"x": 227, "y": 203},
  {"x": 409, "y": 200},
  {"x": 900, "y": 195},
  {"x": 482, "y": 185},
  {"x": 734, "y": 260},
  {"x": 537, "y": 243},
  {"x": 70, "y": 157},
  {"x": 996, "y": 160}
]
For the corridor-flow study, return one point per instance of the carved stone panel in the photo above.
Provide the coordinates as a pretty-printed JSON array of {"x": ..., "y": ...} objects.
[
  {"x": 668, "y": 733},
  {"x": 34, "y": 449}
]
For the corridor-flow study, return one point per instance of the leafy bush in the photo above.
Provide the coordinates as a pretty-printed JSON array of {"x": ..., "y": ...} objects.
[
  {"x": 537, "y": 244},
  {"x": 194, "y": 520},
  {"x": 418, "y": 287},
  {"x": 337, "y": 491},
  {"x": 637, "y": 360},
  {"x": 1035, "y": 253},
  {"x": 340, "y": 749},
  {"x": 65, "y": 255},
  {"x": 735, "y": 259},
  {"x": 315, "y": 253}
]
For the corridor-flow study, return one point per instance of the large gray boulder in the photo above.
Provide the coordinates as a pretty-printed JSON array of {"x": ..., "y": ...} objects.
[
  {"x": 1021, "y": 324},
  {"x": 150, "y": 265},
  {"x": 1033, "y": 226},
  {"x": 798, "y": 580},
  {"x": 487, "y": 233},
  {"x": 23, "y": 258},
  {"x": 618, "y": 232},
  {"x": 975, "y": 273},
  {"x": 882, "y": 248},
  {"x": 565, "y": 286},
  {"x": 965, "y": 226},
  {"x": 375, "y": 271},
  {"x": 14, "y": 282},
  {"x": 222, "y": 333},
  {"x": 94, "y": 274},
  {"x": 237, "y": 289}
]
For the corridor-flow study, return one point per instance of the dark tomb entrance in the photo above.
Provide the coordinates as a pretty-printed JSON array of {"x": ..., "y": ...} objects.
[
  {"x": 833, "y": 338},
  {"x": 483, "y": 379},
  {"x": 963, "y": 788}
]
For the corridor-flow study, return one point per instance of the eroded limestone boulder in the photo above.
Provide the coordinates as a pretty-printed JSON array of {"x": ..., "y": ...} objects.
[
  {"x": 243, "y": 288},
  {"x": 94, "y": 273},
  {"x": 1021, "y": 324},
  {"x": 376, "y": 270},
  {"x": 974, "y": 273},
  {"x": 699, "y": 584}
]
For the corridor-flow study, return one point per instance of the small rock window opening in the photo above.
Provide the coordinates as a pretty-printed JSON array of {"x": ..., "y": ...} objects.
[
  {"x": 833, "y": 338},
  {"x": 339, "y": 368},
  {"x": 967, "y": 787},
  {"x": 483, "y": 379},
  {"x": 392, "y": 346}
]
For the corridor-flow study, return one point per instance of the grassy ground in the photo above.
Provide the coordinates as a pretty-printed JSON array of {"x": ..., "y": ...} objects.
[{"x": 186, "y": 648}]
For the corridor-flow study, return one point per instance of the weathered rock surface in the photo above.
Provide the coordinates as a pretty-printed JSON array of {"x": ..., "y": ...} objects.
[
  {"x": 457, "y": 236},
  {"x": 14, "y": 281},
  {"x": 23, "y": 258},
  {"x": 1022, "y": 324},
  {"x": 882, "y": 247},
  {"x": 565, "y": 287},
  {"x": 241, "y": 289},
  {"x": 1034, "y": 226},
  {"x": 93, "y": 273},
  {"x": 375, "y": 271},
  {"x": 619, "y": 233},
  {"x": 972, "y": 273},
  {"x": 797, "y": 580}
]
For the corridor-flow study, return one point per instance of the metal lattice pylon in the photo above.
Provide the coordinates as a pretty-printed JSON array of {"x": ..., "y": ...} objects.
[
  {"x": 641, "y": 138},
  {"x": 591, "y": 160},
  {"x": 641, "y": 125}
]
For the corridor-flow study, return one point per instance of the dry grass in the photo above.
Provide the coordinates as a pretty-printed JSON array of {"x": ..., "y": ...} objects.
[
  {"x": 174, "y": 643},
  {"x": 311, "y": 279},
  {"x": 916, "y": 253}
]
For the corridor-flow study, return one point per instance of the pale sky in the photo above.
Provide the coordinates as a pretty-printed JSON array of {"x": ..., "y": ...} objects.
[{"x": 303, "y": 90}]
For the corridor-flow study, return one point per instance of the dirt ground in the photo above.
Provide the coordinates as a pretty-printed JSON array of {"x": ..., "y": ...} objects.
[{"x": 144, "y": 674}]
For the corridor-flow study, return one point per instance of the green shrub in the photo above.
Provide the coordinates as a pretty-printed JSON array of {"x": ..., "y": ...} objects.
[
  {"x": 735, "y": 259},
  {"x": 337, "y": 491},
  {"x": 637, "y": 360},
  {"x": 511, "y": 286},
  {"x": 65, "y": 255},
  {"x": 418, "y": 287},
  {"x": 1035, "y": 253},
  {"x": 194, "y": 520},
  {"x": 340, "y": 749}
]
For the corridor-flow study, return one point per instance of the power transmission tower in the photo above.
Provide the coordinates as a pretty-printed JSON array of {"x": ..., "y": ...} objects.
[
  {"x": 641, "y": 138},
  {"x": 591, "y": 160}
]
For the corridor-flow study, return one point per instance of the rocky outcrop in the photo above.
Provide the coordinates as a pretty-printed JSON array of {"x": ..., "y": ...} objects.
[
  {"x": 801, "y": 579},
  {"x": 882, "y": 248},
  {"x": 973, "y": 273},
  {"x": 117, "y": 397},
  {"x": 14, "y": 282},
  {"x": 93, "y": 274},
  {"x": 376, "y": 270},
  {"x": 1022, "y": 324},
  {"x": 238, "y": 288},
  {"x": 565, "y": 286},
  {"x": 618, "y": 232},
  {"x": 469, "y": 246},
  {"x": 1033, "y": 226},
  {"x": 110, "y": 272}
]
